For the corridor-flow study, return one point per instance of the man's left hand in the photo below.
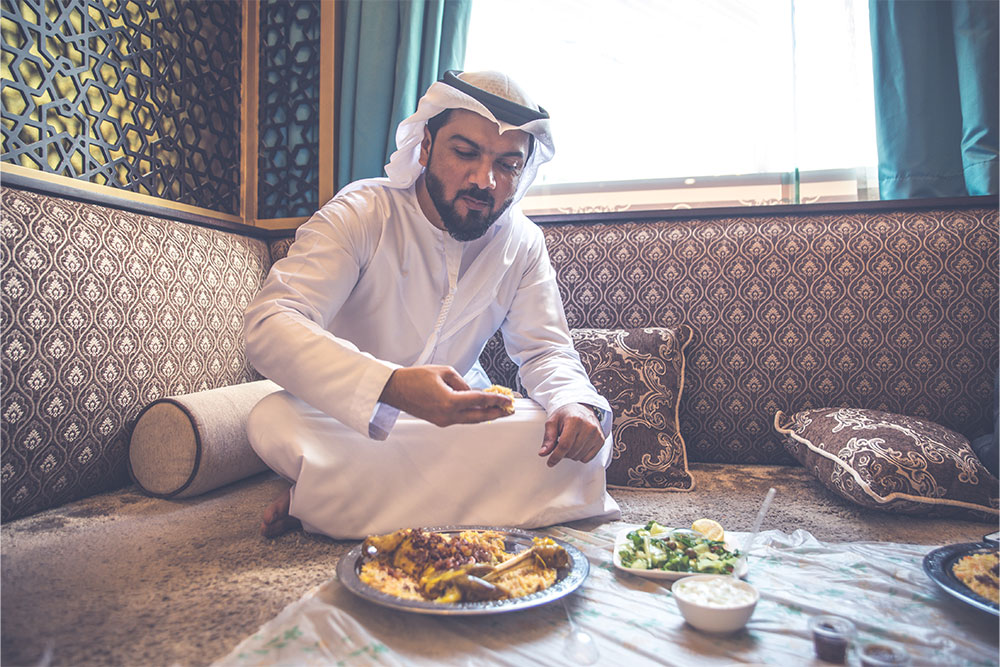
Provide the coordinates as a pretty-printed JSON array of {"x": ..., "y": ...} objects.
[{"x": 572, "y": 432}]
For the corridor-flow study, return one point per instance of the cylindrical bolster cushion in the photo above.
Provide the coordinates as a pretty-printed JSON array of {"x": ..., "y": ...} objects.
[{"x": 186, "y": 445}]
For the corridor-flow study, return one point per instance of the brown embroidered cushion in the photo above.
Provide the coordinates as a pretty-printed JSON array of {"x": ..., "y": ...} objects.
[
  {"x": 641, "y": 373},
  {"x": 891, "y": 462}
]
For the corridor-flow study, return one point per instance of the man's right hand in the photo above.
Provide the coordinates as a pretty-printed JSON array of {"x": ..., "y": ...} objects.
[{"x": 441, "y": 396}]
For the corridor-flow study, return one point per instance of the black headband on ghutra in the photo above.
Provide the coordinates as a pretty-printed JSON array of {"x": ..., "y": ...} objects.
[{"x": 502, "y": 109}]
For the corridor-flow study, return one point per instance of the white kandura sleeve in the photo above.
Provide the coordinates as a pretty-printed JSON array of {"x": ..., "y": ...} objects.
[
  {"x": 285, "y": 324},
  {"x": 537, "y": 339}
]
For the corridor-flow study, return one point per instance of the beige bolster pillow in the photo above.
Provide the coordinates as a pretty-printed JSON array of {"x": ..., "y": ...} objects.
[{"x": 183, "y": 446}]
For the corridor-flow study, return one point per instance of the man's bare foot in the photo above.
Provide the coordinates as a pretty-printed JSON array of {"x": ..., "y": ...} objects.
[{"x": 276, "y": 520}]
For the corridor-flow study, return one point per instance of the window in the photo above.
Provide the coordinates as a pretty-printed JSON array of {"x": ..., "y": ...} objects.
[{"x": 678, "y": 103}]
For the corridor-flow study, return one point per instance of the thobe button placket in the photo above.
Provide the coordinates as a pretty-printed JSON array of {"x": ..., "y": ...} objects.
[
  {"x": 453, "y": 258},
  {"x": 443, "y": 315}
]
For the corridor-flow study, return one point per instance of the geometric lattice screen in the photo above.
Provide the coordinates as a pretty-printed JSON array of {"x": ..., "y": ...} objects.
[
  {"x": 288, "y": 108},
  {"x": 142, "y": 95}
]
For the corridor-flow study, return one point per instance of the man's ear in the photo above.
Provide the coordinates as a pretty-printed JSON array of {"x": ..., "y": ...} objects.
[{"x": 425, "y": 148}]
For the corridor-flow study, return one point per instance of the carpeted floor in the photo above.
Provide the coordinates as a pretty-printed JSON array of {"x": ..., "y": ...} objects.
[{"x": 122, "y": 579}]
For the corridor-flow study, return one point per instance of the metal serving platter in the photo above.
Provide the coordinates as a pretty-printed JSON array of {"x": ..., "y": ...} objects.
[{"x": 567, "y": 579}]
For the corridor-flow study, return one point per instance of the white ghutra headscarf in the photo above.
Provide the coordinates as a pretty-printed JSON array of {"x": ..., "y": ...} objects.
[{"x": 493, "y": 95}]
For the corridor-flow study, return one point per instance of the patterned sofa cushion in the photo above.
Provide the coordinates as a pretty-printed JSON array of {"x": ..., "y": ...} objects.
[
  {"x": 891, "y": 462},
  {"x": 278, "y": 247},
  {"x": 103, "y": 312},
  {"x": 641, "y": 373},
  {"x": 888, "y": 310}
]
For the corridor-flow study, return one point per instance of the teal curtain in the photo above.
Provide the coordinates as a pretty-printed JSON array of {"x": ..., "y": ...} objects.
[
  {"x": 936, "y": 108},
  {"x": 393, "y": 50}
]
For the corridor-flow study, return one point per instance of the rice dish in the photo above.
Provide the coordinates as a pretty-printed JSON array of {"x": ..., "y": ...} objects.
[
  {"x": 980, "y": 573},
  {"x": 414, "y": 564}
]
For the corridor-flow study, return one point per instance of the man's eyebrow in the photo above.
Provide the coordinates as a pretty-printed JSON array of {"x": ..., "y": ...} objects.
[{"x": 473, "y": 144}]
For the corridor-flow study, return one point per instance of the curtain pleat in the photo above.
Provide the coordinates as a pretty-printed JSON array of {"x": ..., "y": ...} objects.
[
  {"x": 392, "y": 51},
  {"x": 977, "y": 59},
  {"x": 935, "y": 74}
]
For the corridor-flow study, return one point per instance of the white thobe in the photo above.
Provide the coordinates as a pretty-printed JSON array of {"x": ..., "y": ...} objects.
[{"x": 370, "y": 285}]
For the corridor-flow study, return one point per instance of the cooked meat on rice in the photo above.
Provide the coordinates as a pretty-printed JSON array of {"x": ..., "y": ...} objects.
[{"x": 416, "y": 564}]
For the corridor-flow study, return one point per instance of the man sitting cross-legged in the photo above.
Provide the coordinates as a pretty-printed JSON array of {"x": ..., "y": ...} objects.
[{"x": 373, "y": 325}]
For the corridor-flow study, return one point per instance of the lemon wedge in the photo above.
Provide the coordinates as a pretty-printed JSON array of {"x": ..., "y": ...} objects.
[{"x": 710, "y": 529}]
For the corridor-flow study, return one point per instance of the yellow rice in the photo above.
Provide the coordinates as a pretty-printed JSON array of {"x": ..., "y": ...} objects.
[
  {"x": 503, "y": 391},
  {"x": 979, "y": 572}
]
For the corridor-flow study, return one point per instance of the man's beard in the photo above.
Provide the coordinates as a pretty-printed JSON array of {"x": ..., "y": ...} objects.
[{"x": 475, "y": 223}]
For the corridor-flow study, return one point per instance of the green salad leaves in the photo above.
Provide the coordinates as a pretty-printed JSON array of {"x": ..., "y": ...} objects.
[{"x": 657, "y": 547}]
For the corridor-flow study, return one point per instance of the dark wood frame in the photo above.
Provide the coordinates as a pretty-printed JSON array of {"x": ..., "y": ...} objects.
[{"x": 111, "y": 201}]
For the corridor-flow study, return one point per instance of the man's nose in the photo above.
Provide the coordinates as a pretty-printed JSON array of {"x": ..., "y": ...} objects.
[{"x": 482, "y": 175}]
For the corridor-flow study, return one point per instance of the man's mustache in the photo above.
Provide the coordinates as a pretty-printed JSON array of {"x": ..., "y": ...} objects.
[{"x": 478, "y": 194}]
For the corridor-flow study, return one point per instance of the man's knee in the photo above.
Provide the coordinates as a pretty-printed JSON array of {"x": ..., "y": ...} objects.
[
  {"x": 270, "y": 430},
  {"x": 262, "y": 418}
]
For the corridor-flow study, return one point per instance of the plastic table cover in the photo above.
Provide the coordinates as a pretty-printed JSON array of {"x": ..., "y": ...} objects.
[{"x": 881, "y": 587}]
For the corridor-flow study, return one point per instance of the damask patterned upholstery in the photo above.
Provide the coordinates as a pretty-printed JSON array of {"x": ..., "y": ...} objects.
[
  {"x": 894, "y": 311},
  {"x": 103, "y": 312},
  {"x": 891, "y": 462}
]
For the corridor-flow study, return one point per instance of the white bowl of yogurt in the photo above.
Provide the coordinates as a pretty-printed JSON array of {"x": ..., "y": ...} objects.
[{"x": 715, "y": 602}]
